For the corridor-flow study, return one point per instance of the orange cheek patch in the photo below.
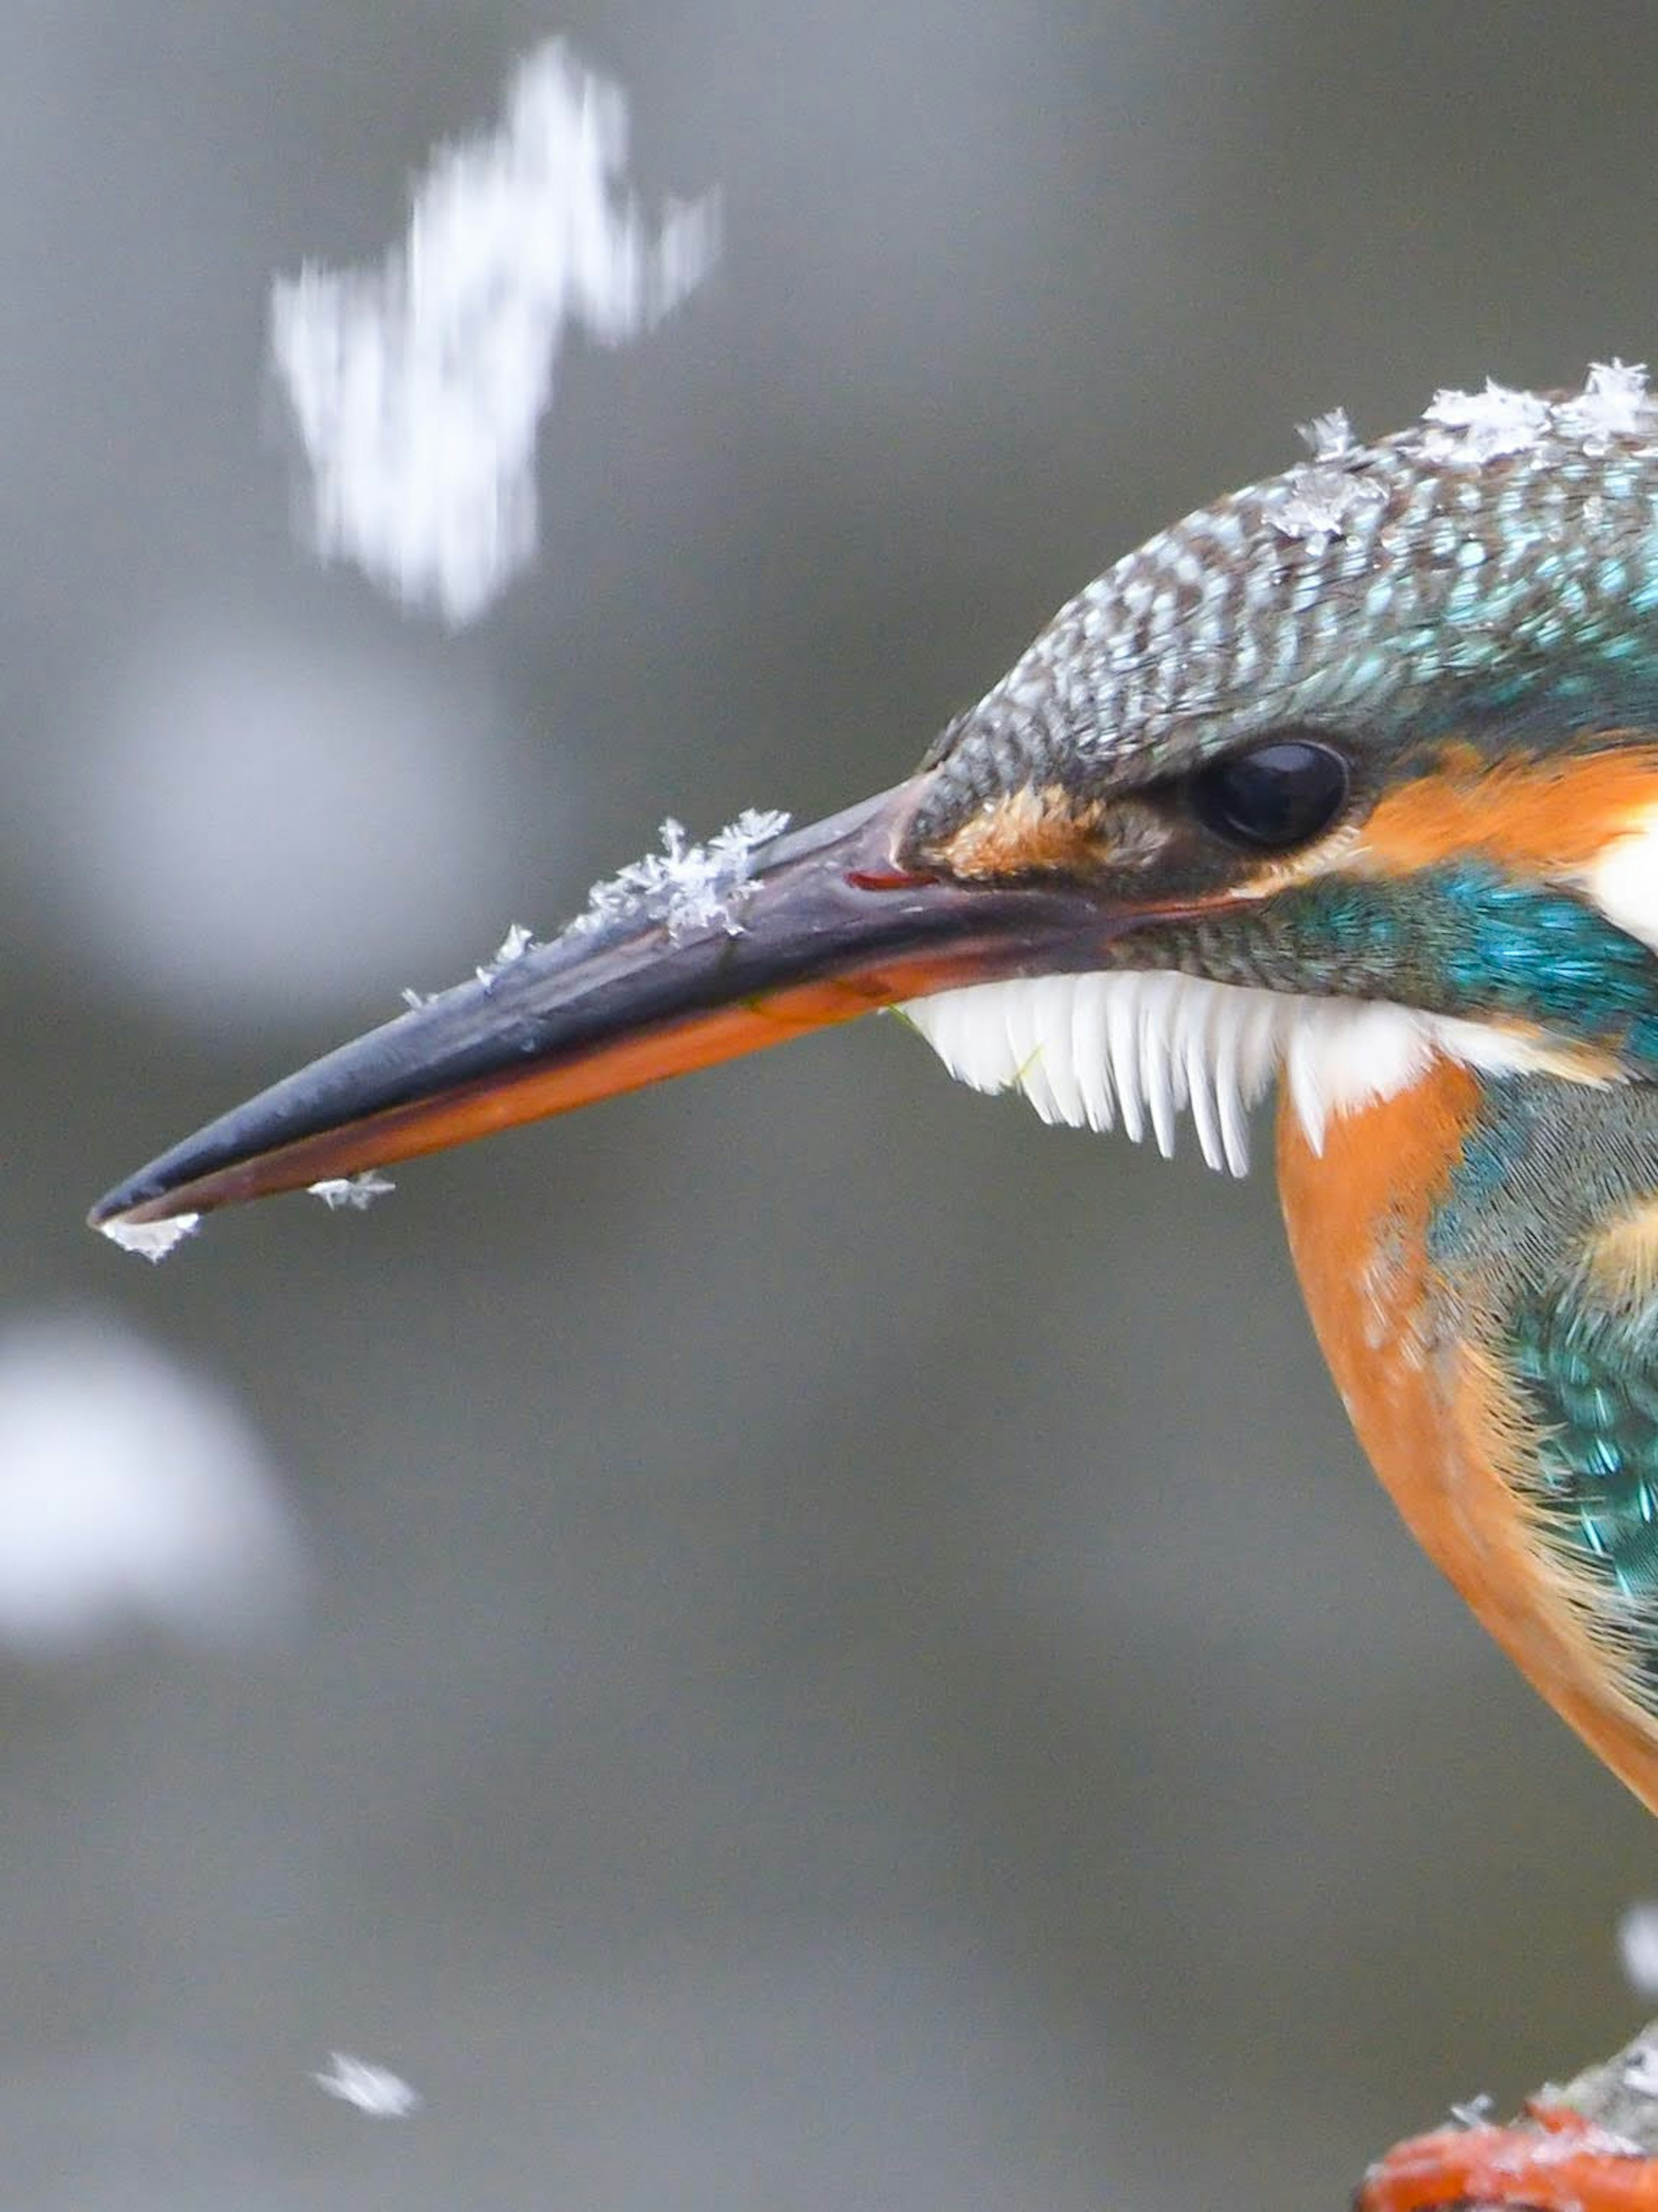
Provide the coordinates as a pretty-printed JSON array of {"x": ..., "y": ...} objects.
[
  {"x": 1547, "y": 816},
  {"x": 1046, "y": 831}
]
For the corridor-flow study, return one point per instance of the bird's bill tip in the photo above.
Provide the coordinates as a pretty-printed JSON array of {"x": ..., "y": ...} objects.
[{"x": 827, "y": 925}]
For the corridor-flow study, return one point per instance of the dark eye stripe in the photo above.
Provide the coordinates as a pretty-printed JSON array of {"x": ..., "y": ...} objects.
[{"x": 1275, "y": 795}]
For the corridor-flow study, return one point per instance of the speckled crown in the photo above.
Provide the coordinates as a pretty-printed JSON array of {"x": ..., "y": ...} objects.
[{"x": 1498, "y": 558}]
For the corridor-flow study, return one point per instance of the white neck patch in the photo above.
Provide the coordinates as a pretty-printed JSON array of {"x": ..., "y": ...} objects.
[
  {"x": 1624, "y": 881},
  {"x": 1140, "y": 1047}
]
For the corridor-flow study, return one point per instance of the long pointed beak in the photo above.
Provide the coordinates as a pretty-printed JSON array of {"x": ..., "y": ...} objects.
[{"x": 830, "y": 925}]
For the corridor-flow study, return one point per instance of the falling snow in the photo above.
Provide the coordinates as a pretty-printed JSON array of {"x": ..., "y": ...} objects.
[
  {"x": 417, "y": 387},
  {"x": 371, "y": 2089},
  {"x": 151, "y": 1240},
  {"x": 357, "y": 1191},
  {"x": 134, "y": 1493},
  {"x": 689, "y": 888}
]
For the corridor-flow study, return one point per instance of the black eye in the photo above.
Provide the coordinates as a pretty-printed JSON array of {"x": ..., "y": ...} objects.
[{"x": 1277, "y": 794}]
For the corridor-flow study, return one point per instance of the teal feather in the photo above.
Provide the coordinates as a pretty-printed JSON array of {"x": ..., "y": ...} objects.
[{"x": 1592, "y": 1398}]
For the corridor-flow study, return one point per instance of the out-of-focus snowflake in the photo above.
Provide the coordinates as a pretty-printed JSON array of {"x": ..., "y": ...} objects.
[
  {"x": 134, "y": 1492},
  {"x": 151, "y": 1240},
  {"x": 1637, "y": 1947},
  {"x": 689, "y": 888},
  {"x": 371, "y": 2089},
  {"x": 357, "y": 1191},
  {"x": 417, "y": 387}
]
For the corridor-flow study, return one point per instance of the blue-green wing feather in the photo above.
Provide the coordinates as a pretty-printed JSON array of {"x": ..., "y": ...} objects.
[
  {"x": 1589, "y": 1386},
  {"x": 1548, "y": 1172}
]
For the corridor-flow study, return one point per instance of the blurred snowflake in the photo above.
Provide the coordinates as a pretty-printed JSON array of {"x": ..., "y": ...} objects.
[
  {"x": 133, "y": 1491},
  {"x": 417, "y": 387},
  {"x": 373, "y": 2089}
]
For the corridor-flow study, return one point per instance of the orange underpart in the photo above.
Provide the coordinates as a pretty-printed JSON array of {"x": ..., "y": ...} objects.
[
  {"x": 1435, "y": 1412},
  {"x": 1546, "y": 816},
  {"x": 1557, "y": 2161}
]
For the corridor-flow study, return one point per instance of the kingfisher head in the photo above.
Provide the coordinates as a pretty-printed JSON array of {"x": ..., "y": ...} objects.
[{"x": 1354, "y": 769}]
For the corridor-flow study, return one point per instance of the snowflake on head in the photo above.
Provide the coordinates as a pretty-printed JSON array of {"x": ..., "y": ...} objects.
[{"x": 1484, "y": 426}]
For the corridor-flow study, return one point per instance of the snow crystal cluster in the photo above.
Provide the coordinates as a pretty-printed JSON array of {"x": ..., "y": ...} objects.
[
  {"x": 151, "y": 1240},
  {"x": 417, "y": 387},
  {"x": 1322, "y": 498},
  {"x": 1484, "y": 426},
  {"x": 689, "y": 888},
  {"x": 371, "y": 2089},
  {"x": 1487, "y": 425},
  {"x": 1613, "y": 404}
]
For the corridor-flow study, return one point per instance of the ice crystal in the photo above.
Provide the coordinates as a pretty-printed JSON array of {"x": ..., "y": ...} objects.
[
  {"x": 1484, "y": 426},
  {"x": 689, "y": 888},
  {"x": 1328, "y": 437},
  {"x": 358, "y": 1192},
  {"x": 417, "y": 387},
  {"x": 371, "y": 2089},
  {"x": 513, "y": 946},
  {"x": 1322, "y": 503},
  {"x": 151, "y": 1240},
  {"x": 1474, "y": 2111},
  {"x": 1476, "y": 427},
  {"x": 1322, "y": 499},
  {"x": 1614, "y": 403}
]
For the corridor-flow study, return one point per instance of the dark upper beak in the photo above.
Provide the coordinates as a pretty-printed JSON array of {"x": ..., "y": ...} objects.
[{"x": 827, "y": 924}]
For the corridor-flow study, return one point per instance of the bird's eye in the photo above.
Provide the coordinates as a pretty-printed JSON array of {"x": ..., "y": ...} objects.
[{"x": 1276, "y": 795}]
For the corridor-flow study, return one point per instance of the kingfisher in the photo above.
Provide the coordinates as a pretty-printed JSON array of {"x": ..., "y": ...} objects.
[{"x": 1348, "y": 781}]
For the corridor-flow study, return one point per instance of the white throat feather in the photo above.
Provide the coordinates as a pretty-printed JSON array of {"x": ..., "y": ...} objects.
[{"x": 1140, "y": 1047}]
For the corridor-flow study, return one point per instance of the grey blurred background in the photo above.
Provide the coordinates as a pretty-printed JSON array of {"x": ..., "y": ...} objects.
[{"x": 843, "y": 1655}]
